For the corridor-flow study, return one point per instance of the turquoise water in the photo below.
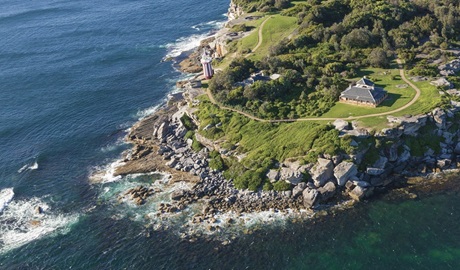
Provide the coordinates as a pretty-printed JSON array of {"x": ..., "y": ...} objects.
[{"x": 74, "y": 76}]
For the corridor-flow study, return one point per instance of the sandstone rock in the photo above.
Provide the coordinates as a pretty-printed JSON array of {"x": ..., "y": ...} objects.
[
  {"x": 322, "y": 172},
  {"x": 344, "y": 171},
  {"x": 381, "y": 163},
  {"x": 457, "y": 149},
  {"x": 443, "y": 163},
  {"x": 177, "y": 195},
  {"x": 358, "y": 192},
  {"x": 297, "y": 190},
  {"x": 273, "y": 175},
  {"x": 309, "y": 197},
  {"x": 172, "y": 163},
  {"x": 374, "y": 171},
  {"x": 409, "y": 124},
  {"x": 163, "y": 131},
  {"x": 292, "y": 176},
  {"x": 340, "y": 124},
  {"x": 393, "y": 153},
  {"x": 328, "y": 191},
  {"x": 440, "y": 118}
]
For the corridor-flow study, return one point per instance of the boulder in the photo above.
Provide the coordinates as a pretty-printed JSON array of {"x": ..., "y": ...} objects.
[
  {"x": 405, "y": 155},
  {"x": 340, "y": 124},
  {"x": 392, "y": 154},
  {"x": 409, "y": 124},
  {"x": 172, "y": 163},
  {"x": 177, "y": 195},
  {"x": 309, "y": 197},
  {"x": 381, "y": 163},
  {"x": 327, "y": 191},
  {"x": 163, "y": 131},
  {"x": 443, "y": 163},
  {"x": 297, "y": 190},
  {"x": 457, "y": 149},
  {"x": 290, "y": 175},
  {"x": 440, "y": 118},
  {"x": 322, "y": 172},
  {"x": 358, "y": 193},
  {"x": 273, "y": 175},
  {"x": 344, "y": 171},
  {"x": 374, "y": 171}
]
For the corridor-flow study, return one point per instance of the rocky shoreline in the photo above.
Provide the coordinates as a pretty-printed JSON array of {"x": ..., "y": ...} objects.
[{"x": 160, "y": 145}]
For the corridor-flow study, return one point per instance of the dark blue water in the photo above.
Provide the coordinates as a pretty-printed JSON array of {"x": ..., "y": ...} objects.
[{"x": 74, "y": 75}]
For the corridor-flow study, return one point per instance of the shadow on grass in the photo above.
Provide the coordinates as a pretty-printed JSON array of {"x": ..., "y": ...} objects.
[{"x": 390, "y": 100}]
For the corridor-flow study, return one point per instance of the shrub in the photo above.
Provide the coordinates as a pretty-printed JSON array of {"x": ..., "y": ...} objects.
[
  {"x": 187, "y": 122},
  {"x": 196, "y": 145},
  {"x": 281, "y": 185}
]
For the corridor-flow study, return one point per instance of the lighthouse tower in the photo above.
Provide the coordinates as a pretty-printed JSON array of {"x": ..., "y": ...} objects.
[{"x": 207, "y": 68}]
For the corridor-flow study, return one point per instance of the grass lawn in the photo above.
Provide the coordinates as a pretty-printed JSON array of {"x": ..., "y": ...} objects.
[
  {"x": 261, "y": 140},
  {"x": 275, "y": 29},
  {"x": 429, "y": 99},
  {"x": 397, "y": 97}
]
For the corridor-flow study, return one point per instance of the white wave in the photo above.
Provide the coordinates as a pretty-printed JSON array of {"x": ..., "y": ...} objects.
[
  {"x": 34, "y": 166},
  {"x": 185, "y": 44},
  {"x": 29, "y": 167},
  {"x": 114, "y": 146},
  {"x": 6, "y": 195},
  {"x": 20, "y": 223},
  {"x": 147, "y": 112},
  {"x": 209, "y": 25},
  {"x": 105, "y": 174}
]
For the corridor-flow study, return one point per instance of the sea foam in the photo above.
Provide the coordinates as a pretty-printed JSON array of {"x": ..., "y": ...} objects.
[
  {"x": 6, "y": 196},
  {"x": 21, "y": 224}
]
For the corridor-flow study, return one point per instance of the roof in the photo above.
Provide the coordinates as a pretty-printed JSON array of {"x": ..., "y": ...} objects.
[
  {"x": 365, "y": 81},
  {"x": 364, "y": 94}
]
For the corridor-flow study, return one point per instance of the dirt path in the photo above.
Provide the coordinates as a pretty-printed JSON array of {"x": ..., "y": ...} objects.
[
  {"x": 260, "y": 34},
  {"x": 403, "y": 77}
]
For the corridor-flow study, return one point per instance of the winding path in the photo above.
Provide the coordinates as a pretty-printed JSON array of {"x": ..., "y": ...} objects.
[
  {"x": 401, "y": 73},
  {"x": 260, "y": 35}
]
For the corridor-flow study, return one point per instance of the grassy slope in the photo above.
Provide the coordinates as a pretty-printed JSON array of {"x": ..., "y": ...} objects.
[{"x": 260, "y": 140}]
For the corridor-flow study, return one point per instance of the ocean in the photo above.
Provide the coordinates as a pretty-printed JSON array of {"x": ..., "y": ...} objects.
[{"x": 74, "y": 77}]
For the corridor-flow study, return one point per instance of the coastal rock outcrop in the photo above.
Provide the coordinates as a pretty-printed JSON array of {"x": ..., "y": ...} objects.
[
  {"x": 322, "y": 172},
  {"x": 310, "y": 197},
  {"x": 344, "y": 171}
]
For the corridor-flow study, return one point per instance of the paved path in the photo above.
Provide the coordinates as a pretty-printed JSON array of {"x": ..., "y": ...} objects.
[{"x": 403, "y": 77}]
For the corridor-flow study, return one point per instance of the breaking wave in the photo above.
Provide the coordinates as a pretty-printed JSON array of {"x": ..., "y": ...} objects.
[{"x": 21, "y": 222}]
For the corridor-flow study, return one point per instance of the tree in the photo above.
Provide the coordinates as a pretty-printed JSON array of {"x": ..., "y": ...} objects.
[{"x": 378, "y": 58}]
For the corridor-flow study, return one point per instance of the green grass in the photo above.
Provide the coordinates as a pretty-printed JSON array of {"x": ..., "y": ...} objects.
[
  {"x": 397, "y": 98},
  {"x": 275, "y": 29},
  {"x": 429, "y": 99},
  {"x": 268, "y": 140}
]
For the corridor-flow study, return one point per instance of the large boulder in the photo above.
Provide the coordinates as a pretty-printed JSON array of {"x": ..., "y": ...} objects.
[
  {"x": 322, "y": 172},
  {"x": 273, "y": 175},
  {"x": 327, "y": 191},
  {"x": 358, "y": 192},
  {"x": 310, "y": 196},
  {"x": 297, "y": 190},
  {"x": 409, "y": 124},
  {"x": 163, "y": 131},
  {"x": 340, "y": 124},
  {"x": 344, "y": 171},
  {"x": 440, "y": 118},
  {"x": 457, "y": 149},
  {"x": 290, "y": 175}
]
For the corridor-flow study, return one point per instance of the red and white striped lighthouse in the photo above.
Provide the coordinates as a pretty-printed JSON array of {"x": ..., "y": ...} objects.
[{"x": 207, "y": 68}]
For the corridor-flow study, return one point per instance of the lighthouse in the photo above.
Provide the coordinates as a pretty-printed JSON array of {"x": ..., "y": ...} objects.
[{"x": 207, "y": 68}]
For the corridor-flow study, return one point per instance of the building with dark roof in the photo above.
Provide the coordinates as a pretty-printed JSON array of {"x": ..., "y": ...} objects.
[{"x": 364, "y": 93}]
